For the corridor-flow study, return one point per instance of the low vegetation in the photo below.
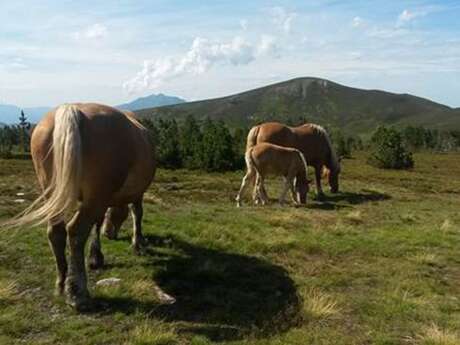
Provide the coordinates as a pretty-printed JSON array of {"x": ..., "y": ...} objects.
[{"x": 377, "y": 263}]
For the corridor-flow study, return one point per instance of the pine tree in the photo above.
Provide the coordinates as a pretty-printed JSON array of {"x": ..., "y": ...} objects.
[
  {"x": 24, "y": 129},
  {"x": 191, "y": 143},
  {"x": 389, "y": 151}
]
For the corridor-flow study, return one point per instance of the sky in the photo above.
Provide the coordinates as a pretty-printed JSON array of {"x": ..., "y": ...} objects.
[{"x": 114, "y": 51}]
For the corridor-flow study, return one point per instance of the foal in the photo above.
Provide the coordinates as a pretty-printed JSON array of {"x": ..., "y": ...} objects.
[{"x": 264, "y": 159}]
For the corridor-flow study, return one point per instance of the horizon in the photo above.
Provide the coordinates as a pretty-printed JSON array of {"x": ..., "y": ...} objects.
[{"x": 405, "y": 47}]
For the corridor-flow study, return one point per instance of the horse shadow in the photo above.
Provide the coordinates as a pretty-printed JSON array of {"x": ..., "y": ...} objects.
[
  {"x": 222, "y": 295},
  {"x": 347, "y": 199}
]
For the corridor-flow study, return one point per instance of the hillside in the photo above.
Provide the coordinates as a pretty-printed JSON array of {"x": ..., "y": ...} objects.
[
  {"x": 320, "y": 101},
  {"x": 151, "y": 101}
]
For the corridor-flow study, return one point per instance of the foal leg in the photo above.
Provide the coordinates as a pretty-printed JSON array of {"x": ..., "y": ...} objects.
[
  {"x": 77, "y": 232},
  {"x": 57, "y": 240},
  {"x": 137, "y": 212},
  {"x": 244, "y": 184},
  {"x": 260, "y": 187},
  {"x": 319, "y": 188},
  {"x": 96, "y": 258}
]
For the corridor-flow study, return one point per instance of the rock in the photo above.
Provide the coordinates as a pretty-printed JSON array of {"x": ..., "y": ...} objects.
[
  {"x": 108, "y": 282},
  {"x": 164, "y": 297}
]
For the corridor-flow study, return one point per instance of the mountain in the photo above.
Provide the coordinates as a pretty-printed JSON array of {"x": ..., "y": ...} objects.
[
  {"x": 319, "y": 101},
  {"x": 9, "y": 114},
  {"x": 151, "y": 101}
]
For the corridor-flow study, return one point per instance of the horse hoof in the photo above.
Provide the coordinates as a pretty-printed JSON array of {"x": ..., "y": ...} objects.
[
  {"x": 79, "y": 304},
  {"x": 138, "y": 249}
]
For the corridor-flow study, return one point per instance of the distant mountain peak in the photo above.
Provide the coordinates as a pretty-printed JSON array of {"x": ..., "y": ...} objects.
[
  {"x": 311, "y": 99},
  {"x": 151, "y": 101}
]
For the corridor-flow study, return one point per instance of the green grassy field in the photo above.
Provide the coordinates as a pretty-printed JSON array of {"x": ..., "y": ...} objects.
[{"x": 378, "y": 263}]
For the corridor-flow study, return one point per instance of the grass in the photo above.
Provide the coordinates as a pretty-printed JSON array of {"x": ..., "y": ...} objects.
[{"x": 377, "y": 263}]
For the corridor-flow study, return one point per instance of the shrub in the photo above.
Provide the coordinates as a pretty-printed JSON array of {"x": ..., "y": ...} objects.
[{"x": 388, "y": 151}]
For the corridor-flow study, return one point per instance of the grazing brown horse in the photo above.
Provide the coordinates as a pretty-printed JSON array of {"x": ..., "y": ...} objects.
[
  {"x": 87, "y": 157},
  {"x": 312, "y": 140},
  {"x": 264, "y": 159}
]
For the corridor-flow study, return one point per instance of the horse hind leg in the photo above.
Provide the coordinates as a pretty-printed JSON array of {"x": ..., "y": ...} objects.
[
  {"x": 259, "y": 190},
  {"x": 57, "y": 238},
  {"x": 96, "y": 258},
  {"x": 137, "y": 212},
  {"x": 244, "y": 184},
  {"x": 78, "y": 231},
  {"x": 319, "y": 188}
]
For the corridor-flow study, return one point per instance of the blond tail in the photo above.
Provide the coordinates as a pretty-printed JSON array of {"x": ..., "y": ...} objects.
[
  {"x": 252, "y": 137},
  {"x": 61, "y": 195},
  {"x": 304, "y": 161}
]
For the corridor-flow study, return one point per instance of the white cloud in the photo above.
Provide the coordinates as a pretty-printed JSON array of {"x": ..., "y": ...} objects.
[
  {"x": 202, "y": 56},
  {"x": 357, "y": 22},
  {"x": 267, "y": 47},
  {"x": 282, "y": 18},
  {"x": 93, "y": 32}
]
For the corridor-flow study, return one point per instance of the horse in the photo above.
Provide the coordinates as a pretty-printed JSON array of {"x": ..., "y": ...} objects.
[
  {"x": 88, "y": 157},
  {"x": 311, "y": 139},
  {"x": 265, "y": 158}
]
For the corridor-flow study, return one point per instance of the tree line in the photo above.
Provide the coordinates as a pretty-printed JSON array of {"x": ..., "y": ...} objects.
[
  {"x": 207, "y": 145},
  {"x": 211, "y": 145}
]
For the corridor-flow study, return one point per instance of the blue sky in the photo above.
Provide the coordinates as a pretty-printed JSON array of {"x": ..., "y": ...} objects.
[{"x": 114, "y": 51}]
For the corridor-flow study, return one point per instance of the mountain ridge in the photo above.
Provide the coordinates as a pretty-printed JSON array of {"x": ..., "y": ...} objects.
[
  {"x": 150, "y": 101},
  {"x": 316, "y": 100}
]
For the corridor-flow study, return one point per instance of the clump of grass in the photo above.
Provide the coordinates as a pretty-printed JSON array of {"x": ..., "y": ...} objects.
[
  {"x": 408, "y": 218},
  {"x": 446, "y": 225},
  {"x": 433, "y": 335},
  {"x": 320, "y": 305},
  {"x": 426, "y": 258},
  {"x": 143, "y": 289},
  {"x": 8, "y": 290},
  {"x": 152, "y": 333},
  {"x": 355, "y": 217}
]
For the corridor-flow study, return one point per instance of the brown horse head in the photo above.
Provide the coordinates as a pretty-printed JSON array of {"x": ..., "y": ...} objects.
[{"x": 333, "y": 172}]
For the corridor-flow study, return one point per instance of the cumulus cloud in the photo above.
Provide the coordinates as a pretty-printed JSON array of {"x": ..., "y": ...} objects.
[
  {"x": 202, "y": 55},
  {"x": 93, "y": 32},
  {"x": 283, "y": 18}
]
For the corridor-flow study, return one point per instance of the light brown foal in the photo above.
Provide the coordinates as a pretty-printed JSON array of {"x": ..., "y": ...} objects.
[{"x": 265, "y": 159}]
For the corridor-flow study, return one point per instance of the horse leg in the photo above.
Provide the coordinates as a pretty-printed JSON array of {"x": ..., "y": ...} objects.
[
  {"x": 249, "y": 177},
  {"x": 137, "y": 212},
  {"x": 57, "y": 240},
  {"x": 293, "y": 193},
  {"x": 262, "y": 194},
  {"x": 96, "y": 258},
  {"x": 319, "y": 188},
  {"x": 78, "y": 231}
]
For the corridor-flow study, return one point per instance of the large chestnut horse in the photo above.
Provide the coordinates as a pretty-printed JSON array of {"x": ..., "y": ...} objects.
[
  {"x": 87, "y": 157},
  {"x": 312, "y": 140}
]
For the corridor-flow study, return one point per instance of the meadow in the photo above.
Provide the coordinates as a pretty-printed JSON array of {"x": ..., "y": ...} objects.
[{"x": 378, "y": 263}]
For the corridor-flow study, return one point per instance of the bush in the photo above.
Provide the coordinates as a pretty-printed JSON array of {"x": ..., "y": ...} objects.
[{"x": 388, "y": 151}]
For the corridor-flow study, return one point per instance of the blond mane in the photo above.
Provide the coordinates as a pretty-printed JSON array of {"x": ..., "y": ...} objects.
[{"x": 335, "y": 164}]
